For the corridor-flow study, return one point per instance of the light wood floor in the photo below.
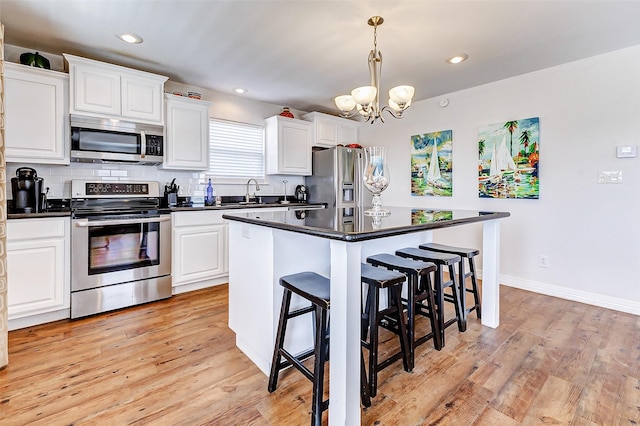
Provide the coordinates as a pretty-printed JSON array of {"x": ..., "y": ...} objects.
[{"x": 174, "y": 362}]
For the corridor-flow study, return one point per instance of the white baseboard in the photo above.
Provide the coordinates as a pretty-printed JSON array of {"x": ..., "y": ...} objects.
[
  {"x": 29, "y": 321},
  {"x": 595, "y": 299},
  {"x": 200, "y": 285}
]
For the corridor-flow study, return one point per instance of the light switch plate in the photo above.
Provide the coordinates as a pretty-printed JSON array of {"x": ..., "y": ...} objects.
[
  {"x": 610, "y": 177},
  {"x": 626, "y": 151}
]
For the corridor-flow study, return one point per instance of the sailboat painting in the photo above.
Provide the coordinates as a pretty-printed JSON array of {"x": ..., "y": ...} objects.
[
  {"x": 431, "y": 164},
  {"x": 508, "y": 159}
]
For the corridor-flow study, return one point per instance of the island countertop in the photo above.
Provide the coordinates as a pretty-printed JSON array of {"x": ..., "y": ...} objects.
[{"x": 354, "y": 225}]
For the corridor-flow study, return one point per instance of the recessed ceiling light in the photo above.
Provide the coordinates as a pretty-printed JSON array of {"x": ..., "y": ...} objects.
[
  {"x": 130, "y": 38},
  {"x": 240, "y": 90},
  {"x": 458, "y": 58}
]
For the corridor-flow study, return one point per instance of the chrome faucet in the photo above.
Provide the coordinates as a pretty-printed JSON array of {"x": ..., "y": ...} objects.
[{"x": 247, "y": 197}]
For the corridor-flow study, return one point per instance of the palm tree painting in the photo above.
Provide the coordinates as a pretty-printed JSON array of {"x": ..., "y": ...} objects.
[
  {"x": 431, "y": 164},
  {"x": 509, "y": 171}
]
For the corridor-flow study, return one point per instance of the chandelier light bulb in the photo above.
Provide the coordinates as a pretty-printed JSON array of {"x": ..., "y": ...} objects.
[
  {"x": 364, "y": 95},
  {"x": 345, "y": 103},
  {"x": 401, "y": 94}
]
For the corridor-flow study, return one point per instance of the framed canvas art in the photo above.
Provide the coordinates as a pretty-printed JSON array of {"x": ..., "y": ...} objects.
[
  {"x": 509, "y": 159},
  {"x": 431, "y": 164}
]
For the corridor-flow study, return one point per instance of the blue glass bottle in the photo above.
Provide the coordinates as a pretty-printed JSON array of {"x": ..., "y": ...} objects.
[{"x": 208, "y": 200}]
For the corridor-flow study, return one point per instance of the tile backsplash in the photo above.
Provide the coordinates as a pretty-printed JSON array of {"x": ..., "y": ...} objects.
[{"x": 58, "y": 178}]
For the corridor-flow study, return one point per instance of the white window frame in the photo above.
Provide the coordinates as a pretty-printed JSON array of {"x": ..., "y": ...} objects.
[{"x": 237, "y": 143}]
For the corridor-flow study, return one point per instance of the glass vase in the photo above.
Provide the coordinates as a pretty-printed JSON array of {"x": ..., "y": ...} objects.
[{"x": 376, "y": 177}]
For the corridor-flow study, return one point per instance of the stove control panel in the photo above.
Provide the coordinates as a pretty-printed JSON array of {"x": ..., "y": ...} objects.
[
  {"x": 109, "y": 188},
  {"x": 97, "y": 189}
]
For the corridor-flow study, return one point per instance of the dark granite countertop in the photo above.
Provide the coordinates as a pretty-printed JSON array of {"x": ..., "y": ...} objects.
[
  {"x": 57, "y": 213},
  {"x": 354, "y": 225},
  {"x": 239, "y": 206},
  {"x": 62, "y": 212}
]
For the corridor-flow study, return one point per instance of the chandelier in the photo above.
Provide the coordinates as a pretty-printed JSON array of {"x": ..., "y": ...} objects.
[{"x": 366, "y": 98}]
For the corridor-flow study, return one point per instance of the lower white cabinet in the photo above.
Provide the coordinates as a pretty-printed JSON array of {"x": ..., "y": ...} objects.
[
  {"x": 200, "y": 244},
  {"x": 199, "y": 247},
  {"x": 38, "y": 271}
]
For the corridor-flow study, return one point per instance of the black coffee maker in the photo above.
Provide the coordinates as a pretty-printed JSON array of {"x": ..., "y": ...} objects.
[
  {"x": 27, "y": 191},
  {"x": 301, "y": 194}
]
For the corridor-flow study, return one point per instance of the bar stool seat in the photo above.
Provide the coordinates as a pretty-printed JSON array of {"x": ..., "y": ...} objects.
[
  {"x": 442, "y": 260},
  {"x": 316, "y": 289},
  {"x": 391, "y": 318},
  {"x": 469, "y": 254},
  {"x": 419, "y": 292}
]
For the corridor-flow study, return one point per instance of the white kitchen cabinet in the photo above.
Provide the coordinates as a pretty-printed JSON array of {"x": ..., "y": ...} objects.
[
  {"x": 186, "y": 143},
  {"x": 329, "y": 130},
  {"x": 38, "y": 270},
  {"x": 199, "y": 247},
  {"x": 288, "y": 146},
  {"x": 99, "y": 89},
  {"x": 36, "y": 115}
]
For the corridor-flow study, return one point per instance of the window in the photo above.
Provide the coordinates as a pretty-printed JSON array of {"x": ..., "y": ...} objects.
[{"x": 236, "y": 151}]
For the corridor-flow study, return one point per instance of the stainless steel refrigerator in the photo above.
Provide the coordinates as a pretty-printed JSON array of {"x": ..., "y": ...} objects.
[{"x": 337, "y": 181}]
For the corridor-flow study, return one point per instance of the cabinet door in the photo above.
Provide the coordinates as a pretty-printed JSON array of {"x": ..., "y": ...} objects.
[
  {"x": 199, "y": 253},
  {"x": 37, "y": 267},
  {"x": 35, "y": 96},
  {"x": 347, "y": 134},
  {"x": 141, "y": 99},
  {"x": 295, "y": 149},
  {"x": 95, "y": 90},
  {"x": 326, "y": 133},
  {"x": 288, "y": 146},
  {"x": 186, "y": 134}
]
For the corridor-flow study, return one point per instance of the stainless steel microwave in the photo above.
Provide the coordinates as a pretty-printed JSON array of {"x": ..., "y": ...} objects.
[{"x": 102, "y": 140}]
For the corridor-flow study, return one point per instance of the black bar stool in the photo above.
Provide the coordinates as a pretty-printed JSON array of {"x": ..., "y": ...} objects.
[
  {"x": 442, "y": 260},
  {"x": 316, "y": 289},
  {"x": 419, "y": 290},
  {"x": 391, "y": 318},
  {"x": 469, "y": 254}
]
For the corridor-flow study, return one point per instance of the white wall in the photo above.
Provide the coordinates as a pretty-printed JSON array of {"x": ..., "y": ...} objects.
[
  {"x": 224, "y": 106},
  {"x": 590, "y": 231}
]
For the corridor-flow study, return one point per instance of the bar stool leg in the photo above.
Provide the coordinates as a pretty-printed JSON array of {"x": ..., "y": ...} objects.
[
  {"x": 411, "y": 316},
  {"x": 318, "y": 368},
  {"x": 474, "y": 286},
  {"x": 282, "y": 327},
  {"x": 404, "y": 337},
  {"x": 427, "y": 286},
  {"x": 463, "y": 289},
  {"x": 460, "y": 312},
  {"x": 374, "y": 306}
]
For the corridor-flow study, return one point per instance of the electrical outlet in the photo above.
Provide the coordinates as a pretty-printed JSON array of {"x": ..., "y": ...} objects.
[{"x": 543, "y": 261}]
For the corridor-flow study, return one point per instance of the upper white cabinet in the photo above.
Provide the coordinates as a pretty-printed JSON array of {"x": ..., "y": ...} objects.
[
  {"x": 99, "y": 89},
  {"x": 288, "y": 146},
  {"x": 36, "y": 115},
  {"x": 329, "y": 130},
  {"x": 186, "y": 143}
]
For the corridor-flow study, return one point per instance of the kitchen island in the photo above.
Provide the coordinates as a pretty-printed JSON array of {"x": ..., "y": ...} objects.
[{"x": 332, "y": 242}]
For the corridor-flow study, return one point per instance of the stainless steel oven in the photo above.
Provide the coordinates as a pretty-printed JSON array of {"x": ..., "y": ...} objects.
[{"x": 120, "y": 245}]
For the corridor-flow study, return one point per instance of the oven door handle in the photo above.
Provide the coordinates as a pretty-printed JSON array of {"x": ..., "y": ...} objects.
[{"x": 85, "y": 223}]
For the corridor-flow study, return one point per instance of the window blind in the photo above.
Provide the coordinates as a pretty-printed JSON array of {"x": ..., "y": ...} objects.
[{"x": 236, "y": 150}]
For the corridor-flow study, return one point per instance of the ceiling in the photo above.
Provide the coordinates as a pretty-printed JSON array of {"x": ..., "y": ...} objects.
[{"x": 303, "y": 53}]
